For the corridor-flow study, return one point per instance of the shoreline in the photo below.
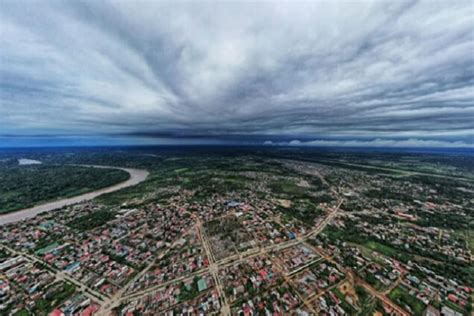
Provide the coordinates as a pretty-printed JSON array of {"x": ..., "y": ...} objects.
[{"x": 136, "y": 176}]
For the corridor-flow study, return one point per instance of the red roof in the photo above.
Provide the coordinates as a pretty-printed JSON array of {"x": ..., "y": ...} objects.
[
  {"x": 246, "y": 310},
  {"x": 89, "y": 310},
  {"x": 56, "y": 312},
  {"x": 452, "y": 298}
]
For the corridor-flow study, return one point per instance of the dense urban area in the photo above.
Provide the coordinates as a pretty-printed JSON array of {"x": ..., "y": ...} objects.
[{"x": 250, "y": 231}]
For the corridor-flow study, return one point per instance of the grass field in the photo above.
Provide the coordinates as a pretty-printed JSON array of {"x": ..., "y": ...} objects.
[
  {"x": 383, "y": 249},
  {"x": 401, "y": 296}
]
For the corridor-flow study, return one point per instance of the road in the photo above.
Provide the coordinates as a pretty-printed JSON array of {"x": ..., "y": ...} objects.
[
  {"x": 214, "y": 265},
  {"x": 108, "y": 303},
  {"x": 136, "y": 176},
  {"x": 382, "y": 297},
  {"x": 213, "y": 269},
  {"x": 60, "y": 275}
]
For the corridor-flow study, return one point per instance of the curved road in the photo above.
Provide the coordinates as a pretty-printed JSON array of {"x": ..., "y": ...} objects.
[{"x": 136, "y": 176}]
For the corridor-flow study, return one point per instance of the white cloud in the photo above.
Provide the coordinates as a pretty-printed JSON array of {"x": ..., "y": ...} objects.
[
  {"x": 379, "y": 142},
  {"x": 329, "y": 69}
]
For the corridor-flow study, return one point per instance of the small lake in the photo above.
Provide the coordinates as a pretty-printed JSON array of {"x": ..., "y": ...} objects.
[{"x": 25, "y": 162}]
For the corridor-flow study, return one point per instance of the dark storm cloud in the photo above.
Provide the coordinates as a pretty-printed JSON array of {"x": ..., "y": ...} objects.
[{"x": 313, "y": 72}]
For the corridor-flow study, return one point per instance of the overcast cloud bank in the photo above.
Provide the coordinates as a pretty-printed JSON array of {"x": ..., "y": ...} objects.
[
  {"x": 384, "y": 70},
  {"x": 379, "y": 142}
]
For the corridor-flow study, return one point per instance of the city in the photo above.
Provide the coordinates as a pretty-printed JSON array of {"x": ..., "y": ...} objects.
[
  {"x": 237, "y": 158},
  {"x": 250, "y": 235}
]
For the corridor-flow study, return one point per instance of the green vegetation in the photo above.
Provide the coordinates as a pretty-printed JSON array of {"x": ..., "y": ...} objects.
[
  {"x": 381, "y": 248},
  {"x": 304, "y": 210},
  {"x": 401, "y": 296},
  {"x": 288, "y": 187},
  {"x": 181, "y": 170},
  {"x": 351, "y": 234},
  {"x": 216, "y": 182},
  {"x": 388, "y": 194},
  {"x": 379, "y": 307},
  {"x": 188, "y": 291},
  {"x": 226, "y": 228},
  {"x": 367, "y": 169},
  {"x": 447, "y": 189},
  {"x": 449, "y": 268},
  {"x": 457, "y": 308},
  {"x": 351, "y": 206},
  {"x": 92, "y": 220},
  {"x": 43, "y": 250},
  {"x": 3, "y": 254},
  {"x": 122, "y": 260},
  {"x": 347, "y": 308},
  {"x": 453, "y": 270},
  {"x": 128, "y": 194},
  {"x": 372, "y": 280},
  {"x": 444, "y": 220},
  {"x": 203, "y": 181},
  {"x": 56, "y": 294},
  {"x": 469, "y": 237},
  {"x": 26, "y": 186},
  {"x": 365, "y": 301},
  {"x": 45, "y": 241}
]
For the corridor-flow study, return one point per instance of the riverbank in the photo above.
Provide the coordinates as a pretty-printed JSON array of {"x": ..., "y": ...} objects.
[{"x": 136, "y": 176}]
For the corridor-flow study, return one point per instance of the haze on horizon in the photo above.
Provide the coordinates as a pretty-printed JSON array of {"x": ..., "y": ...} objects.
[{"x": 367, "y": 73}]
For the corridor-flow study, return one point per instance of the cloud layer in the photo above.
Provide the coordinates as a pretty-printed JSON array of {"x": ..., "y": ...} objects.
[
  {"x": 205, "y": 70},
  {"x": 378, "y": 142}
]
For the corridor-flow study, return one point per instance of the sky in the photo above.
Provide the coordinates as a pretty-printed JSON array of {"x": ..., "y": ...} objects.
[{"x": 321, "y": 73}]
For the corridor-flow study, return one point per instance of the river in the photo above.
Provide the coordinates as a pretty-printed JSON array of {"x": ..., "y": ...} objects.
[{"x": 136, "y": 176}]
